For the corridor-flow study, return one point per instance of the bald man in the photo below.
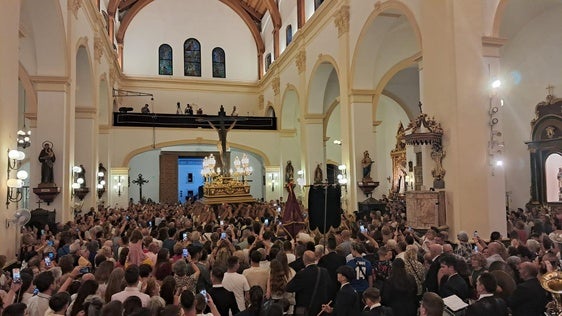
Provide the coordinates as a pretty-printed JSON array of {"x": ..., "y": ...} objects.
[
  {"x": 311, "y": 285},
  {"x": 529, "y": 298}
]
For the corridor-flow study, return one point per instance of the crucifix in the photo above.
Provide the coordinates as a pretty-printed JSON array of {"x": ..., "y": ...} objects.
[
  {"x": 140, "y": 181},
  {"x": 549, "y": 88},
  {"x": 222, "y": 129}
]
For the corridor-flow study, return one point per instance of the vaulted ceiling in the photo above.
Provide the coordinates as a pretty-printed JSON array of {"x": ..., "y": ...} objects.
[{"x": 251, "y": 11}]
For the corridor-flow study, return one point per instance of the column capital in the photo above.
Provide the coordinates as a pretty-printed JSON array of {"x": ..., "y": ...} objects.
[
  {"x": 74, "y": 6},
  {"x": 361, "y": 96},
  {"x": 341, "y": 20},
  {"x": 98, "y": 48},
  {"x": 276, "y": 85},
  {"x": 300, "y": 61}
]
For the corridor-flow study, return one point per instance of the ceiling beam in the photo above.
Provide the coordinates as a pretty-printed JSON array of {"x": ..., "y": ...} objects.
[
  {"x": 129, "y": 16},
  {"x": 112, "y": 7},
  {"x": 235, "y": 5},
  {"x": 274, "y": 13},
  {"x": 253, "y": 12}
]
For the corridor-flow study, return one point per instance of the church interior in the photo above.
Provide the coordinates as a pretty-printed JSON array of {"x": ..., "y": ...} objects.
[{"x": 455, "y": 102}]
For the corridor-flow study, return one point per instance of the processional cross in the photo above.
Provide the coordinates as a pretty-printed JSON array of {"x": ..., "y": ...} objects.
[
  {"x": 140, "y": 181},
  {"x": 221, "y": 122}
]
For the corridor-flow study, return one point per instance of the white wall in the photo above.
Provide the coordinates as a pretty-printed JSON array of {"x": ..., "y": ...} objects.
[
  {"x": 189, "y": 19},
  {"x": 530, "y": 62}
]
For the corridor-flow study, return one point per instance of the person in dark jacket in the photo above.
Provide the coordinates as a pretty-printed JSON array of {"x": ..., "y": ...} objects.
[
  {"x": 529, "y": 298},
  {"x": 399, "y": 291},
  {"x": 309, "y": 300},
  {"x": 347, "y": 300}
]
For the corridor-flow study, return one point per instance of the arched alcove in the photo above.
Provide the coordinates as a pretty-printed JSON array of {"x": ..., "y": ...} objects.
[{"x": 553, "y": 176}]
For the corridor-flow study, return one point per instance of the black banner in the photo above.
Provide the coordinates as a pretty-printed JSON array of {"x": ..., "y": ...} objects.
[{"x": 324, "y": 201}]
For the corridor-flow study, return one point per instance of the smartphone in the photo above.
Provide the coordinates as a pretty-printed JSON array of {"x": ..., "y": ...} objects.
[
  {"x": 222, "y": 222},
  {"x": 35, "y": 291},
  {"x": 85, "y": 270},
  {"x": 475, "y": 233},
  {"x": 185, "y": 253},
  {"x": 47, "y": 261},
  {"x": 223, "y": 235},
  {"x": 362, "y": 228},
  {"x": 128, "y": 217},
  {"x": 51, "y": 255},
  {"x": 266, "y": 222},
  {"x": 149, "y": 223},
  {"x": 204, "y": 293},
  {"x": 16, "y": 275},
  {"x": 50, "y": 243},
  {"x": 42, "y": 232},
  {"x": 279, "y": 209},
  {"x": 184, "y": 236},
  {"x": 475, "y": 249}
]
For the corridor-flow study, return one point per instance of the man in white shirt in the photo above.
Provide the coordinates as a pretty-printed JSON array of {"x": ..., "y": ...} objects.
[
  {"x": 39, "y": 304},
  {"x": 256, "y": 275},
  {"x": 236, "y": 282},
  {"x": 132, "y": 279}
]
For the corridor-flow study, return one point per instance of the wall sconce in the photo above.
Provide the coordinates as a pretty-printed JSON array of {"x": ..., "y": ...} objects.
[
  {"x": 273, "y": 180},
  {"x": 15, "y": 185},
  {"x": 495, "y": 144},
  {"x": 101, "y": 180},
  {"x": 118, "y": 184},
  {"x": 337, "y": 142},
  {"x": 342, "y": 177},
  {"x": 79, "y": 188},
  {"x": 300, "y": 179},
  {"x": 24, "y": 139}
]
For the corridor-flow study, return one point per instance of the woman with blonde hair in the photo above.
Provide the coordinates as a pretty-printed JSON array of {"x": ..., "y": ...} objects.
[
  {"x": 279, "y": 275},
  {"x": 414, "y": 267}
]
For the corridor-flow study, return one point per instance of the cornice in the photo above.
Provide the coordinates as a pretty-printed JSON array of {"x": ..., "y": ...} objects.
[
  {"x": 50, "y": 83},
  {"x": 491, "y": 45},
  {"x": 190, "y": 84}
]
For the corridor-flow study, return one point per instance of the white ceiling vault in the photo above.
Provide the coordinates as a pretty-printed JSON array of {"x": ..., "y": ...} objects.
[{"x": 251, "y": 11}]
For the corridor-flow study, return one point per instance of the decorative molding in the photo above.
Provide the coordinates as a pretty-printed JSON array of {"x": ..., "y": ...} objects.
[
  {"x": 276, "y": 85},
  {"x": 74, "y": 6},
  {"x": 341, "y": 20},
  {"x": 98, "y": 48},
  {"x": 491, "y": 46},
  {"x": 261, "y": 101},
  {"x": 300, "y": 61}
]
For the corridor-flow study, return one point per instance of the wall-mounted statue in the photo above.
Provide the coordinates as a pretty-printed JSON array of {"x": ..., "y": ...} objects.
[
  {"x": 367, "y": 163},
  {"x": 289, "y": 172},
  {"x": 318, "y": 175},
  {"x": 47, "y": 159}
]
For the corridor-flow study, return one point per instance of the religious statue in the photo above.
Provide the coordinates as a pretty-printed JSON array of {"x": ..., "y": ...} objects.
[
  {"x": 47, "y": 159},
  {"x": 178, "y": 109},
  {"x": 234, "y": 113},
  {"x": 222, "y": 129},
  {"x": 318, "y": 176},
  {"x": 366, "y": 163},
  {"x": 289, "y": 172}
]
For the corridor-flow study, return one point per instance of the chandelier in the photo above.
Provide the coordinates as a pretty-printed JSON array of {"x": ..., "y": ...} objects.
[
  {"x": 208, "y": 171},
  {"x": 242, "y": 168}
]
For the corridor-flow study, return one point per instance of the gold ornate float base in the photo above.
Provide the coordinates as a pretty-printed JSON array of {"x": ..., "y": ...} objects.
[{"x": 226, "y": 190}]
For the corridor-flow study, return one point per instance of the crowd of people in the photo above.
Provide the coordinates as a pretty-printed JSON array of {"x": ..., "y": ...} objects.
[{"x": 196, "y": 259}]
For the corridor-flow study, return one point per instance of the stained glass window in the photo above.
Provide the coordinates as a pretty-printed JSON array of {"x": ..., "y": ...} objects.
[
  {"x": 267, "y": 61},
  {"x": 165, "y": 65},
  {"x": 288, "y": 35},
  {"x": 192, "y": 58},
  {"x": 317, "y": 3},
  {"x": 219, "y": 63}
]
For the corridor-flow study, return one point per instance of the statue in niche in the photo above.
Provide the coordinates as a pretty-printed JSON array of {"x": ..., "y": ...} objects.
[
  {"x": 318, "y": 176},
  {"x": 366, "y": 163},
  {"x": 47, "y": 159},
  {"x": 289, "y": 172}
]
